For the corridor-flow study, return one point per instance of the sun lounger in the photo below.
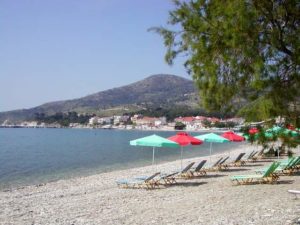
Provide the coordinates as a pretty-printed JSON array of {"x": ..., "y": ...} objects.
[
  {"x": 223, "y": 161},
  {"x": 185, "y": 173},
  {"x": 148, "y": 182},
  {"x": 266, "y": 177},
  {"x": 213, "y": 167},
  {"x": 198, "y": 171},
  {"x": 222, "y": 165},
  {"x": 168, "y": 179},
  {"x": 259, "y": 155},
  {"x": 285, "y": 167},
  {"x": 297, "y": 164},
  {"x": 217, "y": 162},
  {"x": 238, "y": 161},
  {"x": 251, "y": 156},
  {"x": 293, "y": 167}
]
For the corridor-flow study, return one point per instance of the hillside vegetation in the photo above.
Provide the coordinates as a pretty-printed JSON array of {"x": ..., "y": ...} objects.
[{"x": 162, "y": 91}]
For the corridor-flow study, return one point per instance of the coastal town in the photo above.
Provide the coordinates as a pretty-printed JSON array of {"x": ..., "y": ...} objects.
[{"x": 137, "y": 121}]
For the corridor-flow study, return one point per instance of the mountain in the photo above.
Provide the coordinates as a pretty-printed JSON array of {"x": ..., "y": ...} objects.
[{"x": 162, "y": 90}]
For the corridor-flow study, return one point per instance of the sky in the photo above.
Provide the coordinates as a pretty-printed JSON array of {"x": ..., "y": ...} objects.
[{"x": 56, "y": 50}]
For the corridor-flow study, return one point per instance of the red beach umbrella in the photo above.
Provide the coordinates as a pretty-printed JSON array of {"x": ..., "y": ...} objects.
[
  {"x": 290, "y": 127},
  {"x": 253, "y": 130},
  {"x": 183, "y": 139},
  {"x": 231, "y": 136}
]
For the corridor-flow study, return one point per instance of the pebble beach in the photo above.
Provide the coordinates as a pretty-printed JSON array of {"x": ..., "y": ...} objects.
[{"x": 211, "y": 199}]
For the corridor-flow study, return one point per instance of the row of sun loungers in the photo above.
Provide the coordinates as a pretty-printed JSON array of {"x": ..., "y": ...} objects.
[
  {"x": 157, "y": 179},
  {"x": 265, "y": 177},
  {"x": 286, "y": 167},
  {"x": 270, "y": 174}
]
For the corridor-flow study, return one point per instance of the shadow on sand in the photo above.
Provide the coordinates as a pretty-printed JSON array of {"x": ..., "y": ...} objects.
[
  {"x": 188, "y": 184},
  {"x": 234, "y": 170},
  {"x": 264, "y": 160},
  {"x": 214, "y": 175},
  {"x": 253, "y": 165},
  {"x": 284, "y": 182}
]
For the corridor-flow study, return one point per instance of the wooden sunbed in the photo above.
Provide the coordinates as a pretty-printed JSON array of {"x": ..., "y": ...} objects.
[
  {"x": 266, "y": 177},
  {"x": 139, "y": 182}
]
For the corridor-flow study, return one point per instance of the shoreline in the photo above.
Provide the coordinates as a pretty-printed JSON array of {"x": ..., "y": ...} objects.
[
  {"x": 208, "y": 130},
  {"x": 96, "y": 199},
  {"x": 86, "y": 172}
]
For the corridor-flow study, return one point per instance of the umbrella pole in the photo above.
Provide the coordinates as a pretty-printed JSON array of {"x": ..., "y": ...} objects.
[
  {"x": 210, "y": 151},
  {"x": 181, "y": 157},
  {"x": 153, "y": 156}
]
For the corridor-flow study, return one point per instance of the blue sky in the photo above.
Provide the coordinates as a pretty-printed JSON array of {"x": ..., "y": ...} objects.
[{"x": 55, "y": 50}]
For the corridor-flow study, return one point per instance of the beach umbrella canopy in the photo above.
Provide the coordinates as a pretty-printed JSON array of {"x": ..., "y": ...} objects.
[
  {"x": 231, "y": 136},
  {"x": 292, "y": 133},
  {"x": 275, "y": 129},
  {"x": 210, "y": 138},
  {"x": 253, "y": 130},
  {"x": 183, "y": 139},
  {"x": 154, "y": 141},
  {"x": 290, "y": 127},
  {"x": 246, "y": 136},
  {"x": 268, "y": 134}
]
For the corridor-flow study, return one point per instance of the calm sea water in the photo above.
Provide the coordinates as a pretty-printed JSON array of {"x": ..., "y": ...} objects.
[{"x": 32, "y": 156}]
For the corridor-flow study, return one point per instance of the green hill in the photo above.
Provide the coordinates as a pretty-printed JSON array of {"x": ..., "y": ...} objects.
[{"x": 157, "y": 91}]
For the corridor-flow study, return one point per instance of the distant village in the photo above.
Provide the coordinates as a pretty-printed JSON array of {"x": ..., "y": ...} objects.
[{"x": 138, "y": 121}]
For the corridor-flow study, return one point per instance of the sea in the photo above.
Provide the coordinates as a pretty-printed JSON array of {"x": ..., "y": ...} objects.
[{"x": 30, "y": 156}]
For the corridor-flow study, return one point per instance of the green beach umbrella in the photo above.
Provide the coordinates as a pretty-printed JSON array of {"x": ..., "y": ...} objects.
[
  {"x": 212, "y": 138},
  {"x": 154, "y": 141},
  {"x": 290, "y": 132},
  {"x": 246, "y": 136},
  {"x": 275, "y": 129},
  {"x": 268, "y": 134}
]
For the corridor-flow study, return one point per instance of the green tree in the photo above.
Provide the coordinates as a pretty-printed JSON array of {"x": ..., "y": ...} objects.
[
  {"x": 206, "y": 123},
  {"x": 239, "y": 53},
  {"x": 179, "y": 126}
]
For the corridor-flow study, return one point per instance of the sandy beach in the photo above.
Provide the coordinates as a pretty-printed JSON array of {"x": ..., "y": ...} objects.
[{"x": 212, "y": 199}]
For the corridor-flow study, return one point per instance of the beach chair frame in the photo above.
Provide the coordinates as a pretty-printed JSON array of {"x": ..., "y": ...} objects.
[
  {"x": 214, "y": 167},
  {"x": 148, "y": 183},
  {"x": 186, "y": 173},
  {"x": 268, "y": 177},
  {"x": 238, "y": 161}
]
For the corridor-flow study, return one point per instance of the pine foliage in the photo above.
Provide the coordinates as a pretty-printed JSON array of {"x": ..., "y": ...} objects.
[{"x": 239, "y": 50}]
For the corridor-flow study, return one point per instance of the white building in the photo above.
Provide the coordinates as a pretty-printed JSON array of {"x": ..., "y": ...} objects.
[
  {"x": 100, "y": 120},
  {"x": 105, "y": 120},
  {"x": 121, "y": 119},
  {"x": 93, "y": 120}
]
